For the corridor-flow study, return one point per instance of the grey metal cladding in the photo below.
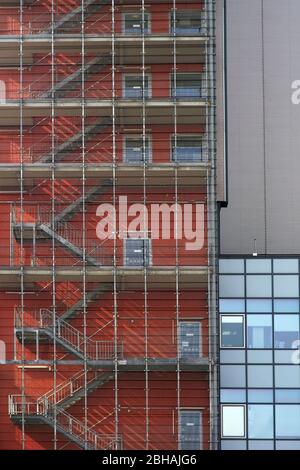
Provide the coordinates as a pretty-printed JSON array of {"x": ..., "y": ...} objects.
[{"x": 263, "y": 52}]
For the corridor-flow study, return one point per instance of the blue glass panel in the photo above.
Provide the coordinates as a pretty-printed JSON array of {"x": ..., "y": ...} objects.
[
  {"x": 232, "y": 306},
  {"x": 286, "y": 331},
  {"x": 260, "y": 421},
  {"x": 259, "y": 306},
  {"x": 259, "y": 286},
  {"x": 256, "y": 266},
  {"x": 286, "y": 305},
  {"x": 233, "y": 396},
  {"x": 286, "y": 286},
  {"x": 285, "y": 265},
  {"x": 231, "y": 286},
  {"x": 231, "y": 266},
  {"x": 287, "y": 421},
  {"x": 259, "y": 328},
  {"x": 260, "y": 396},
  {"x": 287, "y": 396}
]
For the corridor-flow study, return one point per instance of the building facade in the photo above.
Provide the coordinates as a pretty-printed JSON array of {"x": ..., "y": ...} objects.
[
  {"x": 259, "y": 353},
  {"x": 259, "y": 230},
  {"x": 110, "y": 343}
]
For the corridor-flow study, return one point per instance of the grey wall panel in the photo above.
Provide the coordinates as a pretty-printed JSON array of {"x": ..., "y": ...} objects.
[
  {"x": 243, "y": 220},
  {"x": 263, "y": 51}
]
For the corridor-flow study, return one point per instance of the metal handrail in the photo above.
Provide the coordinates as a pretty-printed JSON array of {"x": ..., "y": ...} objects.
[
  {"x": 22, "y": 405},
  {"x": 94, "y": 349}
]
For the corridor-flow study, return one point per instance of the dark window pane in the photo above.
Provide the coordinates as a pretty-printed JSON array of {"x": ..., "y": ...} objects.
[
  {"x": 137, "y": 252},
  {"x": 189, "y": 340},
  {"x": 133, "y": 23},
  {"x": 188, "y": 149},
  {"x": 136, "y": 150},
  {"x": 133, "y": 86},
  {"x": 190, "y": 430},
  {"x": 232, "y": 331}
]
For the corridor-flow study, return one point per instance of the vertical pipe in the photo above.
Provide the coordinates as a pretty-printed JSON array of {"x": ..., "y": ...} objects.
[
  {"x": 177, "y": 260},
  {"x": 21, "y": 224},
  {"x": 85, "y": 365},
  {"x": 212, "y": 222},
  {"x": 146, "y": 255},
  {"x": 53, "y": 208},
  {"x": 114, "y": 200}
]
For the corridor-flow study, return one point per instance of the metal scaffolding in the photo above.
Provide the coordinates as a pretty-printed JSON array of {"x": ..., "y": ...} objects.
[{"x": 111, "y": 97}]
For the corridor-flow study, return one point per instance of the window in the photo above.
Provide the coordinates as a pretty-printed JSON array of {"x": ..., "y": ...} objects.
[
  {"x": 232, "y": 331},
  {"x": 133, "y": 23},
  {"x": 231, "y": 266},
  {"x": 287, "y": 376},
  {"x": 233, "y": 396},
  {"x": 190, "y": 340},
  {"x": 259, "y": 305},
  {"x": 287, "y": 396},
  {"x": 137, "y": 252},
  {"x": 256, "y": 266},
  {"x": 286, "y": 286},
  {"x": 136, "y": 150},
  {"x": 260, "y": 421},
  {"x": 259, "y": 329},
  {"x": 259, "y": 286},
  {"x": 133, "y": 86},
  {"x": 231, "y": 286},
  {"x": 188, "y": 149},
  {"x": 288, "y": 305},
  {"x": 232, "y": 305},
  {"x": 285, "y": 266},
  {"x": 232, "y": 376},
  {"x": 287, "y": 421},
  {"x": 190, "y": 427},
  {"x": 286, "y": 331},
  {"x": 233, "y": 421},
  {"x": 260, "y": 396},
  {"x": 260, "y": 376},
  {"x": 187, "y": 85},
  {"x": 187, "y": 22}
]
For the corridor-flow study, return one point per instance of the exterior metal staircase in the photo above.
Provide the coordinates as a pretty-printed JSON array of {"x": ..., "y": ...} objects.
[
  {"x": 72, "y": 19},
  {"x": 66, "y": 235},
  {"x": 70, "y": 338},
  {"x": 93, "y": 255},
  {"x": 76, "y": 206},
  {"x": 75, "y": 141},
  {"x": 72, "y": 390},
  {"x": 72, "y": 81},
  {"x": 90, "y": 297},
  {"x": 33, "y": 411}
]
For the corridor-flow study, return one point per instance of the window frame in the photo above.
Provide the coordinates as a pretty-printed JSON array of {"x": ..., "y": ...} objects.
[
  {"x": 190, "y": 410},
  {"x": 173, "y": 31},
  {"x": 125, "y": 253},
  {"x": 199, "y": 323},
  {"x": 171, "y": 78},
  {"x": 244, "y": 330},
  {"x": 131, "y": 74},
  {"x": 136, "y": 136},
  {"x": 124, "y": 13},
  {"x": 204, "y": 149},
  {"x": 234, "y": 405}
]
